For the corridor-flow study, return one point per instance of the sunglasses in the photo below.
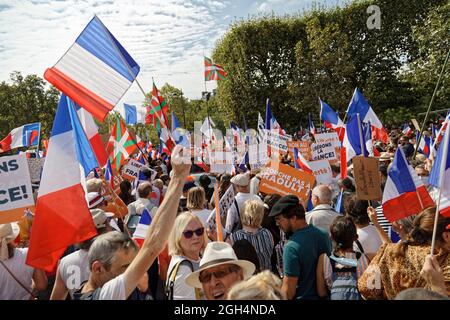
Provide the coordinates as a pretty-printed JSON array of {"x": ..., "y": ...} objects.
[
  {"x": 189, "y": 233},
  {"x": 206, "y": 276}
]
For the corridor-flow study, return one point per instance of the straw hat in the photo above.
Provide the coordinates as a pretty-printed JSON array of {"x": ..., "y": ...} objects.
[
  {"x": 8, "y": 232},
  {"x": 217, "y": 254}
]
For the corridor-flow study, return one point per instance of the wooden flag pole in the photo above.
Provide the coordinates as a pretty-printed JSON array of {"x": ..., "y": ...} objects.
[
  {"x": 218, "y": 220},
  {"x": 441, "y": 185}
]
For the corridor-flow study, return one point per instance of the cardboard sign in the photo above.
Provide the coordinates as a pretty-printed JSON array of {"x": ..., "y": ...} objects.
[
  {"x": 131, "y": 170},
  {"x": 327, "y": 137},
  {"x": 35, "y": 166},
  {"x": 323, "y": 151},
  {"x": 322, "y": 171},
  {"x": 283, "y": 180},
  {"x": 221, "y": 162},
  {"x": 367, "y": 178},
  {"x": 257, "y": 155},
  {"x": 16, "y": 193},
  {"x": 224, "y": 204},
  {"x": 416, "y": 124},
  {"x": 303, "y": 146},
  {"x": 277, "y": 141}
]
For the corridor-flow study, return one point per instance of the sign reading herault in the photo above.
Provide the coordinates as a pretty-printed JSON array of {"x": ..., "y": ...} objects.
[
  {"x": 15, "y": 188},
  {"x": 283, "y": 180},
  {"x": 367, "y": 178}
]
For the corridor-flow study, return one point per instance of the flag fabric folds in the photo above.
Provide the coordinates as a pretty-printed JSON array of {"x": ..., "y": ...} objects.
[
  {"x": 300, "y": 162},
  {"x": 311, "y": 127},
  {"x": 157, "y": 111},
  {"x": 142, "y": 228},
  {"x": 404, "y": 193},
  {"x": 352, "y": 139},
  {"x": 133, "y": 114},
  {"x": 213, "y": 71},
  {"x": 121, "y": 145},
  {"x": 331, "y": 119},
  {"x": 96, "y": 71},
  {"x": 442, "y": 180},
  {"x": 62, "y": 217},
  {"x": 23, "y": 136},
  {"x": 359, "y": 104}
]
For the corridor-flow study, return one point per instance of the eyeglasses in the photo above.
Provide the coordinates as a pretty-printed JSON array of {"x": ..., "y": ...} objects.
[
  {"x": 206, "y": 276},
  {"x": 189, "y": 233}
]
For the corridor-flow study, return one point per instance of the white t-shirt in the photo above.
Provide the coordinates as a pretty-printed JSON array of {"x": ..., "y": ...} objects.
[
  {"x": 181, "y": 291},
  {"x": 202, "y": 214},
  {"x": 369, "y": 239},
  {"x": 254, "y": 185},
  {"x": 74, "y": 270},
  {"x": 9, "y": 288},
  {"x": 114, "y": 289}
]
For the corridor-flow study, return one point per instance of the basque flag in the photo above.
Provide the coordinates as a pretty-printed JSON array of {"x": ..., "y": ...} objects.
[
  {"x": 62, "y": 216},
  {"x": 404, "y": 193},
  {"x": 24, "y": 136},
  {"x": 96, "y": 71}
]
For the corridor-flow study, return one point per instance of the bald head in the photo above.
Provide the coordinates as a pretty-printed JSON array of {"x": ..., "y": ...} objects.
[{"x": 321, "y": 195}]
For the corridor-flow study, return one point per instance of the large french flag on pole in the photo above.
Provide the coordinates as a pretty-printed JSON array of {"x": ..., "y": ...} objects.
[
  {"x": 359, "y": 104},
  {"x": 24, "y": 136},
  {"x": 404, "y": 193},
  {"x": 62, "y": 216},
  {"x": 96, "y": 71},
  {"x": 440, "y": 176},
  {"x": 132, "y": 114},
  {"x": 331, "y": 119}
]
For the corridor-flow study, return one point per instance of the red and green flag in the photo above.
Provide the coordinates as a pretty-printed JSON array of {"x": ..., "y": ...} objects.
[
  {"x": 213, "y": 71},
  {"x": 157, "y": 111},
  {"x": 120, "y": 145}
]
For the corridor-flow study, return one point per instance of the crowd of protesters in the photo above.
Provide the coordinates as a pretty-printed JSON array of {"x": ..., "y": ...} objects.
[{"x": 273, "y": 248}]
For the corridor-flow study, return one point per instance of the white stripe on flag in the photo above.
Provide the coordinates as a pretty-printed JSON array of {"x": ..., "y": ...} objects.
[{"x": 93, "y": 74}]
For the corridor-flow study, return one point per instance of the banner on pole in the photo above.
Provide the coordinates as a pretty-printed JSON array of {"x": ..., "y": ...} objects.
[
  {"x": 284, "y": 180},
  {"x": 16, "y": 193},
  {"x": 224, "y": 204}
]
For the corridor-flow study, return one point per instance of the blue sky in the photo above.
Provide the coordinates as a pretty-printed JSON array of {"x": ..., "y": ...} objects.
[{"x": 166, "y": 38}]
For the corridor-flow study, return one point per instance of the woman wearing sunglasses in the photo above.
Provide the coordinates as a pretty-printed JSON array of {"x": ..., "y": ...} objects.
[{"x": 186, "y": 242}]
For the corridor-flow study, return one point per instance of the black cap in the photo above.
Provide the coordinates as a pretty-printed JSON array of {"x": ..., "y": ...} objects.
[{"x": 284, "y": 204}]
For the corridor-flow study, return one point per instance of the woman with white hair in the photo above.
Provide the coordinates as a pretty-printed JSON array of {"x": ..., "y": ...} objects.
[
  {"x": 17, "y": 279},
  {"x": 259, "y": 237},
  {"x": 186, "y": 241}
]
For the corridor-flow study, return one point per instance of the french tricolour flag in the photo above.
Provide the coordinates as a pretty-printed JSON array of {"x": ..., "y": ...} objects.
[
  {"x": 133, "y": 114},
  {"x": 96, "y": 71},
  {"x": 354, "y": 135},
  {"x": 142, "y": 227},
  {"x": 440, "y": 175},
  {"x": 300, "y": 162},
  {"x": 62, "y": 216},
  {"x": 331, "y": 119},
  {"x": 359, "y": 104},
  {"x": 404, "y": 193},
  {"x": 424, "y": 144},
  {"x": 24, "y": 136}
]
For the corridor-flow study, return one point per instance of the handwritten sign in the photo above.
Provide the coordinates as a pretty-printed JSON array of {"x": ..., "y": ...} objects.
[
  {"x": 224, "y": 204},
  {"x": 35, "y": 166},
  {"x": 367, "y": 178},
  {"x": 16, "y": 193},
  {"x": 284, "y": 180}
]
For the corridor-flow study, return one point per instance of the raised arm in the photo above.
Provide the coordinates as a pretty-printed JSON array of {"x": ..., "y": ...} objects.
[{"x": 162, "y": 223}]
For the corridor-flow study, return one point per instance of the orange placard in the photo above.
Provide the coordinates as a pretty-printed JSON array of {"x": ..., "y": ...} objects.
[
  {"x": 284, "y": 180},
  {"x": 303, "y": 146}
]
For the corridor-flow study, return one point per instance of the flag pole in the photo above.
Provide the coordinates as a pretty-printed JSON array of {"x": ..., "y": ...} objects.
[
  {"x": 441, "y": 185},
  {"x": 361, "y": 140},
  {"x": 431, "y": 101}
]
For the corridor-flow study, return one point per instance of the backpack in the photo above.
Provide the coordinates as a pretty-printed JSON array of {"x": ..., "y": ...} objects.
[
  {"x": 344, "y": 281},
  {"x": 171, "y": 278}
]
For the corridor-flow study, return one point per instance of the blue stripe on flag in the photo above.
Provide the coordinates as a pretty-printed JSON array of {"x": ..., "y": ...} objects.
[
  {"x": 130, "y": 114},
  {"x": 61, "y": 124},
  {"x": 96, "y": 39},
  {"x": 28, "y": 131},
  {"x": 400, "y": 174},
  {"x": 358, "y": 104}
]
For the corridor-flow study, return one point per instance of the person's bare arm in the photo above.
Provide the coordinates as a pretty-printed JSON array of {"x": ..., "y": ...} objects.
[
  {"x": 40, "y": 280},
  {"x": 60, "y": 290},
  {"x": 320, "y": 278},
  {"x": 289, "y": 286},
  {"x": 433, "y": 274},
  {"x": 162, "y": 223}
]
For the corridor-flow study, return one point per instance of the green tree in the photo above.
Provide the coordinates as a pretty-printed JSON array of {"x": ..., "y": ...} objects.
[{"x": 27, "y": 100}]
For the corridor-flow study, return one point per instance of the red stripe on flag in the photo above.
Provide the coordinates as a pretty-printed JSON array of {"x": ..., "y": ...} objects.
[
  {"x": 85, "y": 98},
  {"x": 407, "y": 204},
  {"x": 62, "y": 218},
  {"x": 99, "y": 150},
  {"x": 5, "y": 144}
]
